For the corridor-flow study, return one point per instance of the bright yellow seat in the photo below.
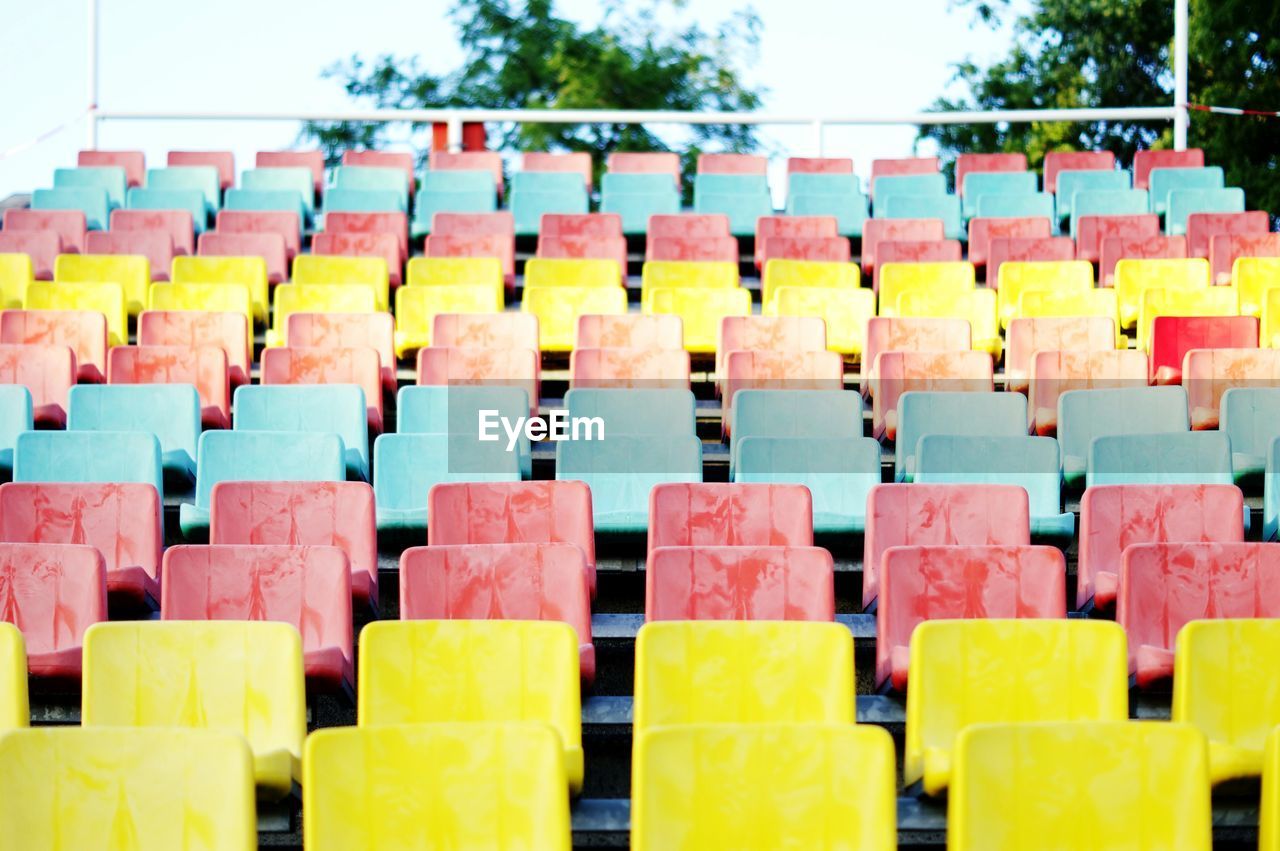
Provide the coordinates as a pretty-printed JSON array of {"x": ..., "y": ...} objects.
[
  {"x": 105, "y": 298},
  {"x": 249, "y": 271},
  {"x": 701, "y": 311},
  {"x": 687, "y": 274},
  {"x": 978, "y": 306},
  {"x": 14, "y": 710},
  {"x": 1269, "y": 811},
  {"x": 844, "y": 309},
  {"x": 16, "y": 272},
  {"x": 1134, "y": 276},
  {"x": 571, "y": 272},
  {"x": 1209, "y": 301},
  {"x": 239, "y": 676},
  {"x": 418, "y": 307},
  {"x": 425, "y": 672},
  {"x": 1067, "y": 786},
  {"x": 209, "y": 298},
  {"x": 779, "y": 273},
  {"x": 1253, "y": 276},
  {"x": 1100, "y": 301},
  {"x": 1055, "y": 276},
  {"x": 742, "y": 672},
  {"x": 558, "y": 309},
  {"x": 316, "y": 298},
  {"x": 966, "y": 672},
  {"x": 452, "y": 271},
  {"x": 764, "y": 786},
  {"x": 131, "y": 272},
  {"x": 932, "y": 278},
  {"x": 369, "y": 272},
  {"x": 144, "y": 790},
  {"x": 1270, "y": 331}
]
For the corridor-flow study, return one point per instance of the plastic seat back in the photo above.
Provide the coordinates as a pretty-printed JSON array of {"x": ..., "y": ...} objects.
[
  {"x": 898, "y": 373},
  {"x": 1206, "y": 302},
  {"x": 1114, "y": 249},
  {"x": 513, "y": 512},
  {"x": 47, "y": 372},
  {"x": 418, "y": 307},
  {"x": 91, "y": 203},
  {"x": 795, "y": 413},
  {"x": 769, "y": 333},
  {"x": 983, "y": 230},
  {"x": 349, "y": 331},
  {"x": 1056, "y": 372},
  {"x": 914, "y": 251},
  {"x": 171, "y": 412},
  {"x": 313, "y": 161},
  {"x": 635, "y": 411},
  {"x": 250, "y": 271},
  {"x": 771, "y": 369},
  {"x": 105, "y": 298},
  {"x": 371, "y": 272},
  {"x": 155, "y": 246},
  {"x": 223, "y": 161},
  {"x": 838, "y": 471},
  {"x": 409, "y": 465},
  {"x": 1092, "y": 231},
  {"x": 1192, "y": 458},
  {"x": 773, "y": 583},
  {"x": 805, "y": 274},
  {"x": 359, "y": 365},
  {"x": 1208, "y": 373},
  {"x": 909, "y": 334},
  {"x": 55, "y": 592},
  {"x": 271, "y": 247},
  {"x": 558, "y": 309},
  {"x": 983, "y": 414},
  {"x": 877, "y": 231},
  {"x": 978, "y": 307},
  {"x": 84, "y": 332},
  {"x": 638, "y": 368},
  {"x": 321, "y": 298},
  {"x": 1203, "y": 226},
  {"x": 1250, "y": 416},
  {"x": 899, "y": 278},
  {"x": 36, "y": 249},
  {"x": 1086, "y": 414},
  {"x": 204, "y": 367},
  {"x": 700, "y": 310},
  {"x": 1090, "y": 302},
  {"x": 732, "y": 515},
  {"x": 338, "y": 409},
  {"x": 1184, "y": 203},
  {"x": 844, "y": 312},
  {"x": 105, "y": 175},
  {"x": 88, "y": 457},
  {"x": 631, "y": 331},
  {"x": 68, "y": 224},
  {"x": 622, "y": 470},
  {"x": 689, "y": 249},
  {"x": 247, "y": 221},
  {"x": 1028, "y": 335},
  {"x": 1018, "y": 278},
  {"x": 1253, "y": 276}
]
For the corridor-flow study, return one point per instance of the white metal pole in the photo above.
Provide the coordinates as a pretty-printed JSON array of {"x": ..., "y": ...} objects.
[
  {"x": 91, "y": 120},
  {"x": 453, "y": 130},
  {"x": 819, "y": 143},
  {"x": 1180, "y": 74}
]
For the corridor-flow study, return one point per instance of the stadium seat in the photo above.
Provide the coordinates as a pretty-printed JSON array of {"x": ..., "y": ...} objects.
[
  {"x": 453, "y": 192},
  {"x": 775, "y": 368},
  {"x": 1087, "y": 414},
  {"x": 269, "y": 246},
  {"x": 455, "y": 271},
  {"x": 1145, "y": 161},
  {"x": 627, "y": 367},
  {"x": 40, "y": 247},
  {"x": 945, "y": 208},
  {"x": 1254, "y": 276},
  {"x": 1092, "y": 231},
  {"x": 288, "y": 225},
  {"x": 1107, "y": 202},
  {"x": 655, "y": 162},
  {"x": 621, "y": 471},
  {"x": 1073, "y": 182},
  {"x": 701, "y": 310},
  {"x": 279, "y": 203},
  {"x": 201, "y": 178},
  {"x": 912, "y": 251},
  {"x": 793, "y": 414},
  {"x": 934, "y": 278},
  {"x": 744, "y": 198},
  {"x": 497, "y": 245},
  {"x": 155, "y": 246},
  {"x": 1037, "y": 205},
  {"x": 171, "y": 412},
  {"x": 489, "y": 161},
  {"x": 448, "y": 366},
  {"x": 768, "y": 333},
  {"x": 981, "y": 414},
  {"x": 402, "y": 161},
  {"x": 730, "y": 515},
  {"x": 686, "y": 275},
  {"x": 1250, "y": 416},
  {"x": 982, "y": 231},
  {"x": 1117, "y": 248},
  {"x": 1183, "y": 458},
  {"x": 821, "y": 249},
  {"x": 409, "y": 465},
  {"x": 1134, "y": 276},
  {"x": 767, "y": 785},
  {"x": 731, "y": 164},
  {"x": 829, "y": 194},
  {"x": 332, "y": 298},
  {"x": 248, "y": 271},
  {"x": 838, "y": 471},
  {"x": 629, "y": 331},
  {"x": 978, "y": 306},
  {"x": 15, "y": 418},
  {"x": 47, "y": 372},
  {"x": 84, "y": 332},
  {"x": 692, "y": 249},
  {"x": 993, "y": 183},
  {"x": 903, "y": 166},
  {"x": 455, "y": 410},
  {"x": 898, "y": 373},
  {"x": 589, "y": 226},
  {"x": 815, "y": 274},
  {"x": 371, "y": 272},
  {"x": 1208, "y": 373},
  {"x": 1185, "y": 202},
  {"x": 16, "y": 272},
  {"x": 574, "y": 163},
  {"x": 536, "y": 193},
  {"x": 1001, "y": 250},
  {"x": 878, "y": 231},
  {"x": 68, "y": 224},
  {"x": 223, "y": 161},
  {"x": 1114, "y": 517},
  {"x": 206, "y": 299},
  {"x": 133, "y": 163},
  {"x": 1059, "y": 161},
  {"x": 326, "y": 365},
  {"x": 131, "y": 273},
  {"x": 204, "y": 367},
  {"x": 308, "y": 587},
  {"x": 88, "y": 456},
  {"x": 191, "y": 201},
  {"x": 91, "y": 203},
  {"x": 1202, "y": 227},
  {"x": 554, "y": 272},
  {"x": 771, "y": 583},
  {"x": 108, "y": 177},
  {"x": 1017, "y": 278},
  {"x": 494, "y": 331},
  {"x": 636, "y": 198},
  {"x": 372, "y": 224},
  {"x": 582, "y": 247},
  {"x": 339, "y": 409},
  {"x": 1164, "y": 181},
  {"x": 1027, "y": 335},
  {"x": 357, "y": 176},
  {"x": 418, "y": 307},
  {"x": 176, "y": 224},
  {"x": 635, "y": 412},
  {"x": 297, "y": 180},
  {"x": 967, "y": 164},
  {"x": 333, "y": 331},
  {"x": 819, "y": 165},
  {"x": 885, "y": 334},
  {"x": 844, "y": 312},
  {"x": 54, "y": 592},
  {"x": 987, "y": 672},
  {"x": 1093, "y": 302},
  {"x": 1054, "y": 372},
  {"x": 313, "y": 161}
]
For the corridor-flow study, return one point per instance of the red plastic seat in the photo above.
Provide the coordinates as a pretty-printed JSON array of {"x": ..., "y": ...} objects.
[
  {"x": 520, "y": 581},
  {"x": 48, "y": 373},
  {"x": 345, "y": 331},
  {"x": 630, "y": 331},
  {"x": 983, "y": 230},
  {"x": 203, "y": 366},
  {"x": 1226, "y": 248},
  {"x": 625, "y": 162},
  {"x": 1057, "y": 161},
  {"x": 121, "y": 520},
  {"x": 878, "y": 231},
  {"x": 1025, "y": 249},
  {"x": 396, "y": 224},
  {"x": 1055, "y": 372},
  {"x": 1117, "y": 248},
  {"x": 68, "y": 224},
  {"x": 83, "y": 331},
  {"x": 718, "y": 514},
  {"x": 833, "y": 249},
  {"x": 705, "y": 249},
  {"x": 921, "y": 583},
  {"x": 307, "y": 586},
  {"x": 53, "y": 593},
  {"x": 176, "y": 223},
  {"x": 155, "y": 245},
  {"x": 446, "y": 365},
  {"x": 134, "y": 163},
  {"x": 975, "y": 163},
  {"x": 767, "y": 369},
  {"x": 1092, "y": 230},
  {"x": 1145, "y": 161},
  {"x": 901, "y": 372},
  {"x": 194, "y": 328},
  {"x": 903, "y": 515},
  {"x": 313, "y": 160},
  {"x": 486, "y": 330},
  {"x": 42, "y": 246},
  {"x": 688, "y": 225},
  {"x": 247, "y": 221},
  {"x": 269, "y": 246},
  {"x": 475, "y": 245},
  {"x": 819, "y": 165},
  {"x": 585, "y": 248},
  {"x": 312, "y": 514},
  {"x": 898, "y": 334},
  {"x": 904, "y": 165},
  {"x": 1203, "y": 227},
  {"x": 809, "y": 227},
  {"x": 489, "y": 161},
  {"x": 732, "y": 164},
  {"x": 578, "y": 162},
  {"x": 223, "y": 161},
  {"x": 638, "y": 368},
  {"x": 580, "y": 225},
  {"x": 1113, "y": 517},
  {"x": 359, "y": 365},
  {"x": 769, "y": 333},
  {"x": 1208, "y": 373},
  {"x": 384, "y": 159},
  {"x": 1173, "y": 336},
  {"x": 744, "y": 583},
  {"x": 913, "y": 251},
  {"x": 1166, "y": 585},
  {"x": 1028, "y": 335},
  {"x": 384, "y": 245}
]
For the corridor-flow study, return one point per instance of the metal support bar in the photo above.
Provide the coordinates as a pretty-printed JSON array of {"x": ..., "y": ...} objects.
[
  {"x": 1180, "y": 74},
  {"x": 91, "y": 118}
]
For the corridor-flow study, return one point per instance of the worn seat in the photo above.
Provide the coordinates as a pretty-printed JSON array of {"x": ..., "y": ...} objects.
[
  {"x": 203, "y": 367},
  {"x": 336, "y": 409},
  {"x": 1169, "y": 458},
  {"x": 1209, "y": 373},
  {"x": 986, "y": 414},
  {"x": 1087, "y": 414},
  {"x": 1250, "y": 416},
  {"x": 171, "y": 412},
  {"x": 47, "y": 373},
  {"x": 772, "y": 583},
  {"x": 1173, "y": 336},
  {"x": 838, "y": 471},
  {"x": 1056, "y": 372},
  {"x": 407, "y": 466},
  {"x": 54, "y": 592}
]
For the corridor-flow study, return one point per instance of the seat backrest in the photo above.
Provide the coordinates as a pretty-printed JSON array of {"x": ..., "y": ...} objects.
[
  {"x": 1208, "y": 373},
  {"x": 1086, "y": 414},
  {"x": 909, "y": 334},
  {"x": 772, "y": 583},
  {"x": 249, "y": 221},
  {"x": 628, "y": 368},
  {"x": 310, "y": 160},
  {"x": 334, "y": 409},
  {"x": 1250, "y": 416},
  {"x": 360, "y": 365},
  {"x": 1027, "y": 335},
  {"x": 877, "y": 231},
  {"x": 1170, "y": 458},
  {"x": 344, "y": 331},
  {"x": 1117, "y": 248},
  {"x": 557, "y": 310},
  {"x": 89, "y": 457},
  {"x": 68, "y": 224},
  {"x": 247, "y": 270},
  {"x": 1059, "y": 161},
  {"x": 39, "y": 250},
  {"x": 1202, "y": 227},
  {"x": 204, "y": 367},
  {"x": 1184, "y": 203},
  {"x": 85, "y": 332},
  {"x": 55, "y": 592},
  {"x": 710, "y": 514},
  {"x": 156, "y": 246},
  {"x": 223, "y": 161},
  {"x": 271, "y": 247},
  {"x": 1033, "y": 463},
  {"x": 983, "y": 230},
  {"x": 366, "y": 271},
  {"x": 772, "y": 369},
  {"x": 275, "y": 456},
  {"x": 47, "y": 372},
  {"x": 630, "y": 331},
  {"x": 1056, "y": 372},
  {"x": 446, "y": 365},
  {"x": 1016, "y": 278},
  {"x": 898, "y": 373},
  {"x": 15, "y": 418},
  {"x": 492, "y": 331},
  {"x": 512, "y": 512},
  {"x": 795, "y": 413},
  {"x": 1092, "y": 231},
  {"x": 771, "y": 333},
  {"x": 106, "y": 298},
  {"x": 1134, "y": 276},
  {"x": 992, "y": 414},
  {"x": 171, "y": 412}
]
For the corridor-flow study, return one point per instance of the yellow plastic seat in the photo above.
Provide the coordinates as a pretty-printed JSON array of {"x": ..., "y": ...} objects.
[
  {"x": 16, "y": 271},
  {"x": 1052, "y": 276},
  {"x": 14, "y": 709},
  {"x": 425, "y": 672},
  {"x": 238, "y": 676},
  {"x": 452, "y": 271},
  {"x": 1270, "y": 330},
  {"x": 418, "y": 307},
  {"x": 932, "y": 278},
  {"x": 1252, "y": 277},
  {"x": 742, "y": 672},
  {"x": 1134, "y": 276},
  {"x": 686, "y": 274},
  {"x": 701, "y": 311},
  {"x": 779, "y": 273},
  {"x": 558, "y": 309},
  {"x": 966, "y": 672},
  {"x": 436, "y": 785},
  {"x": 369, "y": 272},
  {"x": 844, "y": 309},
  {"x": 760, "y": 787},
  {"x": 978, "y": 306},
  {"x": 105, "y": 298},
  {"x": 316, "y": 298},
  {"x": 1092, "y": 302},
  {"x": 1209, "y": 301},
  {"x": 249, "y": 271},
  {"x": 1269, "y": 811},
  {"x": 125, "y": 788},
  {"x": 571, "y": 272},
  {"x": 1067, "y": 786},
  {"x": 131, "y": 272},
  {"x": 211, "y": 298},
  {"x": 1226, "y": 681}
]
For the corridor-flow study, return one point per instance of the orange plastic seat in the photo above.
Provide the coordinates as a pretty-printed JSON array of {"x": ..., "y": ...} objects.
[
  {"x": 1208, "y": 373},
  {"x": 347, "y": 331},
  {"x": 1028, "y": 335},
  {"x": 984, "y": 229},
  {"x": 1092, "y": 230},
  {"x": 485, "y": 330},
  {"x": 898, "y": 334},
  {"x": 205, "y": 367},
  {"x": 1055, "y": 372},
  {"x": 683, "y": 248},
  {"x": 629, "y": 331},
  {"x": 396, "y": 224},
  {"x": 629, "y": 367},
  {"x": 773, "y": 583},
  {"x": 269, "y": 245},
  {"x": 1203, "y": 227},
  {"x": 1172, "y": 337},
  {"x": 769, "y": 333},
  {"x": 358, "y": 365},
  {"x": 710, "y": 514},
  {"x": 878, "y": 231},
  {"x": 83, "y": 331},
  {"x": 442, "y": 365},
  {"x": 53, "y": 593},
  {"x": 68, "y": 224},
  {"x": 48, "y": 372},
  {"x": 899, "y": 372}
]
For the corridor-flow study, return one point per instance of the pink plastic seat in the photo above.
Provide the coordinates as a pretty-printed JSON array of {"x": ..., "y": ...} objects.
[
  {"x": 767, "y": 583},
  {"x": 1208, "y": 373},
  {"x": 819, "y": 165},
  {"x": 903, "y": 515},
  {"x": 155, "y": 245},
  {"x": 1145, "y": 161},
  {"x": 359, "y": 365},
  {"x": 445, "y": 365},
  {"x": 223, "y": 161},
  {"x": 974, "y": 163},
  {"x": 247, "y": 221},
  {"x": 1117, "y": 248},
  {"x": 770, "y": 333},
  {"x": 85, "y": 332},
  {"x": 312, "y": 514},
  {"x": 630, "y": 331},
  {"x": 48, "y": 373},
  {"x": 177, "y": 223},
  {"x": 384, "y": 245},
  {"x": 53, "y": 593},
  {"x": 920, "y": 583},
  {"x": 1203, "y": 227},
  {"x": 1173, "y": 336},
  {"x": 384, "y": 159},
  {"x": 1226, "y": 248},
  {"x": 313, "y": 160},
  {"x": 1092, "y": 230},
  {"x": 194, "y": 329},
  {"x": 1025, "y": 249},
  {"x": 898, "y": 334},
  {"x": 345, "y": 331},
  {"x": 578, "y": 162},
  {"x": 489, "y": 161},
  {"x": 914, "y": 251},
  {"x": 573, "y": 247},
  {"x": 501, "y": 246},
  {"x": 688, "y": 225},
  {"x": 900, "y": 372},
  {"x": 519, "y": 581},
  {"x": 68, "y": 224},
  {"x": 42, "y": 246},
  {"x": 807, "y": 227},
  {"x": 638, "y": 368},
  {"x": 1059, "y": 161},
  {"x": 833, "y": 249},
  {"x": 983, "y": 230},
  {"x": 732, "y": 164},
  {"x": 1055, "y": 372},
  {"x": 766, "y": 369},
  {"x": 203, "y": 366},
  {"x": 270, "y": 247},
  {"x": 1028, "y": 335},
  {"x": 878, "y": 231},
  {"x": 134, "y": 163},
  {"x": 580, "y": 225},
  {"x": 718, "y": 514},
  {"x": 486, "y": 330},
  {"x": 699, "y": 249},
  {"x": 621, "y": 162},
  {"x": 1113, "y": 517},
  {"x": 306, "y": 586},
  {"x": 396, "y": 224}
]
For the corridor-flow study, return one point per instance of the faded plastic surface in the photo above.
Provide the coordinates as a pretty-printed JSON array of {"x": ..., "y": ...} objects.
[
  {"x": 983, "y": 230},
  {"x": 1037, "y": 249},
  {"x": 1092, "y": 231},
  {"x": 628, "y": 368},
  {"x": 914, "y": 251},
  {"x": 700, "y": 310},
  {"x": 1183, "y": 458},
  {"x": 48, "y": 373},
  {"x": 558, "y": 309},
  {"x": 794, "y": 413},
  {"x": 1205, "y": 301},
  {"x": 347, "y": 331},
  {"x": 201, "y": 299},
  {"x": 783, "y": 334},
  {"x": 878, "y": 231},
  {"x": 68, "y": 224},
  {"x": 686, "y": 274},
  {"x": 14, "y": 710},
  {"x": 807, "y": 274},
  {"x": 630, "y": 331},
  {"x": 772, "y": 583},
  {"x": 621, "y": 472},
  {"x": 1209, "y": 373},
  {"x": 838, "y": 471},
  {"x": 844, "y": 311},
  {"x": 418, "y": 307},
  {"x": 249, "y": 271},
  {"x": 1054, "y": 372},
  {"x": 88, "y": 456},
  {"x": 409, "y": 465},
  {"x": 370, "y": 272},
  {"x": 730, "y": 515},
  {"x": 204, "y": 367},
  {"x": 53, "y": 593},
  {"x": 501, "y": 246},
  {"x": 897, "y": 279},
  {"x": 1148, "y": 247},
  {"x": 430, "y": 271},
  {"x": 321, "y": 298},
  {"x": 893, "y": 334},
  {"x": 976, "y": 306},
  {"x": 771, "y": 369},
  {"x": 1016, "y": 279},
  {"x": 1173, "y": 336},
  {"x": 228, "y": 331},
  {"x": 570, "y": 272},
  {"x": 1250, "y": 416},
  {"x": 252, "y": 221},
  {"x": 337, "y": 410},
  {"x": 106, "y": 298},
  {"x": 270, "y": 246},
  {"x": 994, "y": 414},
  {"x": 898, "y": 373},
  {"x": 85, "y": 332},
  {"x": 487, "y": 367},
  {"x": 1253, "y": 274},
  {"x": 1084, "y": 415},
  {"x": 131, "y": 272},
  {"x": 314, "y": 365},
  {"x": 1028, "y": 335},
  {"x": 171, "y": 412},
  {"x": 497, "y": 331},
  {"x": 385, "y": 246},
  {"x": 1134, "y": 276}
]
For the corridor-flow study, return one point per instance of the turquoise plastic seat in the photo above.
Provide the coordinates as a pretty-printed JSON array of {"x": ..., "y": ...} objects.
[
  {"x": 89, "y": 456},
  {"x": 630, "y": 411},
  {"x": 424, "y": 409},
  {"x": 1166, "y": 180},
  {"x": 1184, "y": 202},
  {"x": 341, "y": 200},
  {"x": 944, "y": 207},
  {"x": 744, "y": 198},
  {"x": 15, "y": 418},
  {"x": 458, "y": 182},
  {"x": 534, "y": 193},
  {"x": 1038, "y": 205},
  {"x": 793, "y": 413},
  {"x": 169, "y": 411},
  {"x": 265, "y": 201},
  {"x": 452, "y": 192},
  {"x": 204, "y": 178},
  {"x": 1074, "y": 181},
  {"x": 890, "y": 185},
  {"x": 292, "y": 179},
  {"x": 110, "y": 178},
  {"x": 1086, "y": 414},
  {"x": 967, "y": 414},
  {"x": 1108, "y": 202},
  {"x": 805, "y": 183},
  {"x": 979, "y": 183},
  {"x": 407, "y": 466},
  {"x": 1182, "y": 458},
  {"x": 1250, "y": 416},
  {"x": 1033, "y": 463},
  {"x": 259, "y": 456},
  {"x": 146, "y": 198},
  {"x": 372, "y": 179},
  {"x": 90, "y": 200},
  {"x": 1271, "y": 494},
  {"x": 622, "y": 469},
  {"x": 837, "y": 195},
  {"x": 636, "y": 197},
  {"x": 325, "y": 408},
  {"x": 838, "y": 471},
  {"x": 547, "y": 181}
]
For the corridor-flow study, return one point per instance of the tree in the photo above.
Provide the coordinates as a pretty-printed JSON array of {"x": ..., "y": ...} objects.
[
  {"x": 529, "y": 57},
  {"x": 1108, "y": 53}
]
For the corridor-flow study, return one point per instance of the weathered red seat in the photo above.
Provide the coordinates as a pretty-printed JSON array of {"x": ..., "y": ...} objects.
[
  {"x": 732, "y": 164},
  {"x": 248, "y": 221},
  {"x": 1173, "y": 336},
  {"x": 983, "y": 230},
  {"x": 384, "y": 245},
  {"x": 83, "y": 331},
  {"x": 48, "y": 372},
  {"x": 819, "y": 165},
  {"x": 701, "y": 249},
  {"x": 903, "y": 165},
  {"x": 155, "y": 245},
  {"x": 348, "y": 330},
  {"x": 203, "y": 366},
  {"x": 768, "y": 369},
  {"x": 580, "y": 225},
  {"x": 897, "y": 334},
  {"x": 1203, "y": 227},
  {"x": 629, "y": 367},
  {"x": 270, "y": 246},
  {"x": 134, "y": 163},
  {"x": 914, "y": 251},
  {"x": 1092, "y": 230},
  {"x": 1056, "y": 372},
  {"x": 486, "y": 330},
  {"x": 446, "y": 365},
  {"x": 630, "y": 331},
  {"x": 1028, "y": 335},
  {"x": 1145, "y": 161},
  {"x": 1058, "y": 161},
  {"x": 899, "y": 372},
  {"x": 690, "y": 225},
  {"x": 626, "y": 162},
  {"x": 196, "y": 328},
  {"x": 359, "y": 365},
  {"x": 42, "y": 246},
  {"x": 806, "y": 227},
  {"x": 743, "y": 583},
  {"x": 769, "y": 333},
  {"x": 878, "y": 231},
  {"x": 1208, "y": 373},
  {"x": 53, "y": 593},
  {"x": 1226, "y": 248},
  {"x": 832, "y": 249},
  {"x": 1005, "y": 249},
  {"x": 68, "y": 224},
  {"x": 1117, "y": 248},
  {"x": 396, "y": 224},
  {"x": 719, "y": 514}
]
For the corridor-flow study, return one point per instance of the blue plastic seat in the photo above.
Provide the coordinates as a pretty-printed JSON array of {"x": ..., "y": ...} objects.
[
  {"x": 259, "y": 456},
  {"x": 171, "y": 412},
  {"x": 1166, "y": 180},
  {"x": 422, "y": 409},
  {"x": 622, "y": 469},
  {"x": 325, "y": 408},
  {"x": 1250, "y": 416},
  {"x": 1087, "y": 414},
  {"x": 340, "y": 200},
  {"x": 293, "y": 179},
  {"x": 90, "y": 200},
  {"x": 1038, "y": 205},
  {"x": 793, "y": 413},
  {"x": 838, "y": 471},
  {"x": 980, "y": 183},
  {"x": 110, "y": 178},
  {"x": 1033, "y": 463},
  {"x": 1108, "y": 202},
  {"x": 265, "y": 201},
  {"x": 631, "y": 411},
  {"x": 1169, "y": 458},
  {"x": 407, "y": 466},
  {"x": 1073, "y": 181},
  {"x": 15, "y": 418},
  {"x": 744, "y": 198},
  {"x": 967, "y": 414},
  {"x": 192, "y": 200},
  {"x": 944, "y": 207},
  {"x": 1271, "y": 493},
  {"x": 1184, "y": 202},
  {"x": 452, "y": 192},
  {"x": 371, "y": 179},
  {"x": 89, "y": 456},
  {"x": 535, "y": 193},
  {"x": 890, "y": 185},
  {"x": 203, "y": 178},
  {"x": 636, "y": 197},
  {"x": 837, "y": 195}
]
